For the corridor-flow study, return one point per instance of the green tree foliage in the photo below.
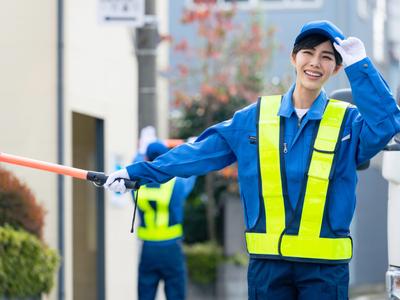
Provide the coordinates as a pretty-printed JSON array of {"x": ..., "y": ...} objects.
[
  {"x": 194, "y": 223},
  {"x": 222, "y": 69},
  {"x": 27, "y": 266}
]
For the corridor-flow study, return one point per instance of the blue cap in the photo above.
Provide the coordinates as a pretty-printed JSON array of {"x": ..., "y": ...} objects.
[
  {"x": 155, "y": 149},
  {"x": 323, "y": 27}
]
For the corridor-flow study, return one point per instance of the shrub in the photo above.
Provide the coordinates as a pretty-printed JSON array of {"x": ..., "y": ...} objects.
[
  {"x": 238, "y": 259},
  {"x": 202, "y": 261},
  {"x": 18, "y": 206},
  {"x": 27, "y": 265}
]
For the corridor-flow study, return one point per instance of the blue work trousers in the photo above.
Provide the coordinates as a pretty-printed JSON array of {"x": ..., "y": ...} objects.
[
  {"x": 162, "y": 262},
  {"x": 270, "y": 279}
]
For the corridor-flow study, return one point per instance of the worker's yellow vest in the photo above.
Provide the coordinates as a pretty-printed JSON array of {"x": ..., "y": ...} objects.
[
  {"x": 155, "y": 226},
  {"x": 307, "y": 244}
]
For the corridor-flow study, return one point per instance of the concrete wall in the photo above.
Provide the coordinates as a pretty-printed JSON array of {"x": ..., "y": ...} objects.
[
  {"x": 28, "y": 96},
  {"x": 100, "y": 80}
]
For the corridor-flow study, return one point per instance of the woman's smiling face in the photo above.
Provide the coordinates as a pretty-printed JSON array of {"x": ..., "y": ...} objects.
[{"x": 314, "y": 66}]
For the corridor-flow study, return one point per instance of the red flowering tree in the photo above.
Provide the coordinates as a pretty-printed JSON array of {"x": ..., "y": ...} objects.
[
  {"x": 18, "y": 205},
  {"x": 219, "y": 71}
]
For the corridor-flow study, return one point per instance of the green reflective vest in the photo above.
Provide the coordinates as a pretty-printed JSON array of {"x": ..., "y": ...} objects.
[
  {"x": 307, "y": 244},
  {"x": 156, "y": 218}
]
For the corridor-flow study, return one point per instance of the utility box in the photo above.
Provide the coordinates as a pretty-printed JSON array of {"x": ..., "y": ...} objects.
[{"x": 391, "y": 172}]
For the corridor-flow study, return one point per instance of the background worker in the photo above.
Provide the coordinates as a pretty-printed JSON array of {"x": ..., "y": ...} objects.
[
  {"x": 298, "y": 180},
  {"x": 161, "y": 214}
]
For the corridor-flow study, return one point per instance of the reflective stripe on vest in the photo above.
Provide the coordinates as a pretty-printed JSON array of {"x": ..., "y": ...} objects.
[
  {"x": 307, "y": 244},
  {"x": 268, "y": 152},
  {"x": 156, "y": 219}
]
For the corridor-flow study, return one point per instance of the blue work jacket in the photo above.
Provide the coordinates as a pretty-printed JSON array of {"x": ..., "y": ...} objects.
[
  {"x": 182, "y": 188},
  {"x": 367, "y": 129}
]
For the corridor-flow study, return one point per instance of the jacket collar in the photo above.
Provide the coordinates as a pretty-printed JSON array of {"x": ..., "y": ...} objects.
[{"x": 316, "y": 110}]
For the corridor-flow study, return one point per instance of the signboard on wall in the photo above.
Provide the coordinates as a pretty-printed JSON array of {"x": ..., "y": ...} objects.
[{"x": 124, "y": 12}]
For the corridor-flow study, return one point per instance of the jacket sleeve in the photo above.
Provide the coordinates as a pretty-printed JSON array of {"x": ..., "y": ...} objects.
[
  {"x": 187, "y": 185},
  {"x": 208, "y": 153},
  {"x": 379, "y": 116}
]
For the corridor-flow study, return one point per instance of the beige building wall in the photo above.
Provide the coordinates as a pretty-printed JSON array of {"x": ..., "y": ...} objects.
[
  {"x": 100, "y": 80},
  {"x": 28, "y": 96}
]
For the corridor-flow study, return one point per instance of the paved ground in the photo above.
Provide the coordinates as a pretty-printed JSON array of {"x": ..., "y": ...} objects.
[
  {"x": 370, "y": 297},
  {"x": 371, "y": 292}
]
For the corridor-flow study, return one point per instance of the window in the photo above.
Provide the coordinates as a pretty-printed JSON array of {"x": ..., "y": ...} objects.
[{"x": 262, "y": 4}]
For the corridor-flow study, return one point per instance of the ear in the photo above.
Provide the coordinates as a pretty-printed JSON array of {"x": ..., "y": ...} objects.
[
  {"x": 293, "y": 59},
  {"x": 337, "y": 69}
]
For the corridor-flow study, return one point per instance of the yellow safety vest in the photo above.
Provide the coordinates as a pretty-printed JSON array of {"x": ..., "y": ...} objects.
[
  {"x": 156, "y": 220},
  {"x": 307, "y": 244}
]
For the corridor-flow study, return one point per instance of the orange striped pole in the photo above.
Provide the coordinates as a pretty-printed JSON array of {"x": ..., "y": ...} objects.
[
  {"x": 97, "y": 178},
  {"x": 45, "y": 166}
]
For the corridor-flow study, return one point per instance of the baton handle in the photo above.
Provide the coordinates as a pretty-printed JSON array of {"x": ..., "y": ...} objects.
[{"x": 100, "y": 179}]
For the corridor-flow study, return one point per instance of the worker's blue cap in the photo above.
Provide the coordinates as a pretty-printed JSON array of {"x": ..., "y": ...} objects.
[
  {"x": 323, "y": 27},
  {"x": 155, "y": 149}
]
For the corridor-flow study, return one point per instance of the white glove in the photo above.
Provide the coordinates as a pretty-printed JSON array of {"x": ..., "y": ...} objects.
[
  {"x": 351, "y": 49},
  {"x": 147, "y": 136},
  {"x": 115, "y": 181}
]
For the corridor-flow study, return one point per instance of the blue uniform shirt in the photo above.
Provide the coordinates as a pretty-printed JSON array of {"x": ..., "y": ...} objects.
[
  {"x": 368, "y": 128},
  {"x": 180, "y": 192}
]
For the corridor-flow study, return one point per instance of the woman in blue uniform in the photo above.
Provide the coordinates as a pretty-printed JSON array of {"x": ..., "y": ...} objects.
[{"x": 297, "y": 156}]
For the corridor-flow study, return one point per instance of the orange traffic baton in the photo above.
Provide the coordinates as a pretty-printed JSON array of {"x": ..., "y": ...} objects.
[{"x": 98, "y": 178}]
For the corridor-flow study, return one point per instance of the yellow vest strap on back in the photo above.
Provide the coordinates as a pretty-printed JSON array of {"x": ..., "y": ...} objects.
[
  {"x": 160, "y": 234},
  {"x": 156, "y": 220},
  {"x": 307, "y": 244}
]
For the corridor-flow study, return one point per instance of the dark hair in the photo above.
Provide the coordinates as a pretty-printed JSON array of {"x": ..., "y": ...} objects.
[{"x": 312, "y": 40}]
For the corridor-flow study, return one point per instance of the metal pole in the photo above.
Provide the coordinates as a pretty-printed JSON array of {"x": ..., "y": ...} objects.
[
  {"x": 146, "y": 44},
  {"x": 60, "y": 144}
]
